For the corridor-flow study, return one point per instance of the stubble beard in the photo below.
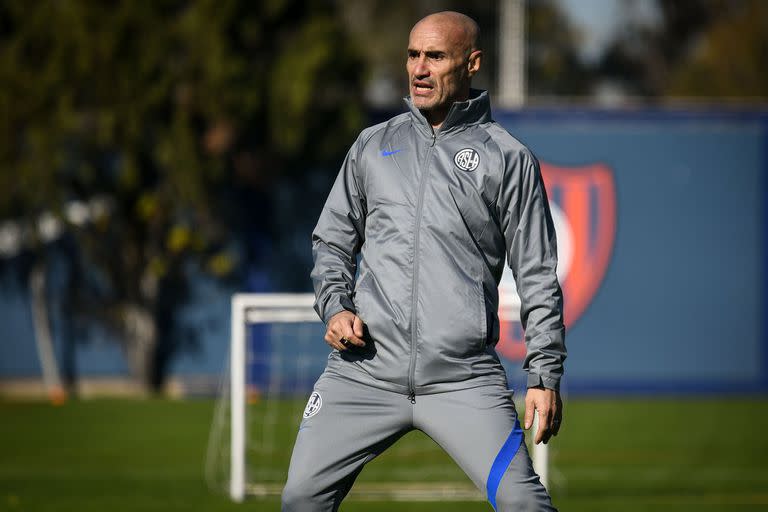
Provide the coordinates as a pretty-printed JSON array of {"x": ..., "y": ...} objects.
[{"x": 430, "y": 104}]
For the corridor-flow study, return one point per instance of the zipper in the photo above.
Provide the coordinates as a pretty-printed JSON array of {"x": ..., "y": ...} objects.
[{"x": 414, "y": 295}]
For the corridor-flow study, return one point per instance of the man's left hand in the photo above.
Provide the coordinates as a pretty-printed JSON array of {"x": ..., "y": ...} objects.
[{"x": 550, "y": 407}]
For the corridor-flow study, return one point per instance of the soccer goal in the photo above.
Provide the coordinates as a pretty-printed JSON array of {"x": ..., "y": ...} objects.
[{"x": 277, "y": 353}]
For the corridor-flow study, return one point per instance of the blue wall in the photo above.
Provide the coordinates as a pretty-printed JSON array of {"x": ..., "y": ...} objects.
[{"x": 682, "y": 306}]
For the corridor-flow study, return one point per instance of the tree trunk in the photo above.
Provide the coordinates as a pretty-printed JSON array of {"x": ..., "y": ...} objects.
[
  {"x": 139, "y": 343},
  {"x": 43, "y": 339}
]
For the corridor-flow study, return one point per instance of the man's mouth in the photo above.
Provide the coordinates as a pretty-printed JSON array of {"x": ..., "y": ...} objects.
[{"x": 421, "y": 87}]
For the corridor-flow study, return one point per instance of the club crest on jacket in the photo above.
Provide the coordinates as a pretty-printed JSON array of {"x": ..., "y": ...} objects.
[{"x": 467, "y": 159}]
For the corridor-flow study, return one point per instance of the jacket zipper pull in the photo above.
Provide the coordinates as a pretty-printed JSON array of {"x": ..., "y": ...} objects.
[{"x": 412, "y": 397}]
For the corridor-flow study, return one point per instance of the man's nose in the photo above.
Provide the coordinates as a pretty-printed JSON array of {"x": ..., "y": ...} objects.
[{"x": 420, "y": 69}]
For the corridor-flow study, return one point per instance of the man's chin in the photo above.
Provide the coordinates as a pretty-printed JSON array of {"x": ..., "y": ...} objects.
[{"x": 423, "y": 104}]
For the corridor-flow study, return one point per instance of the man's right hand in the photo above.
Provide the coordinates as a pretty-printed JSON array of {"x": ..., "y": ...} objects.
[{"x": 344, "y": 330}]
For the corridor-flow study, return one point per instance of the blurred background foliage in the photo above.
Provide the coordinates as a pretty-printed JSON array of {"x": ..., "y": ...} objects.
[
  {"x": 657, "y": 51},
  {"x": 695, "y": 49},
  {"x": 139, "y": 141},
  {"x": 147, "y": 145}
]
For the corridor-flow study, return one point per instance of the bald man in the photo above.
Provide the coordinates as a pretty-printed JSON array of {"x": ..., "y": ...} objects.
[{"x": 433, "y": 202}]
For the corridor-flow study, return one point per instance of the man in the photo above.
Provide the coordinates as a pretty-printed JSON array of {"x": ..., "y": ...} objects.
[{"x": 433, "y": 201}]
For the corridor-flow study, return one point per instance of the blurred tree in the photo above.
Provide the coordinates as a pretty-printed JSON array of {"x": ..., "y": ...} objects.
[
  {"x": 705, "y": 48},
  {"x": 729, "y": 59},
  {"x": 554, "y": 67},
  {"x": 145, "y": 135}
]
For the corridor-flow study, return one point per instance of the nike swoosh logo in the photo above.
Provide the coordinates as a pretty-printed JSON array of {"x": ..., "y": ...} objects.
[{"x": 384, "y": 152}]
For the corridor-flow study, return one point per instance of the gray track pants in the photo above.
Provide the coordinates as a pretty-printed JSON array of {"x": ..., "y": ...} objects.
[{"x": 347, "y": 424}]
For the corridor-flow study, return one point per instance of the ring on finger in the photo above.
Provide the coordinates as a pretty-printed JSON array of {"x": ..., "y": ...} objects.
[{"x": 345, "y": 341}]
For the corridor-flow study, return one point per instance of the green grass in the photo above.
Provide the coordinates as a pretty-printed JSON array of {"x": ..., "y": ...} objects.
[{"x": 628, "y": 455}]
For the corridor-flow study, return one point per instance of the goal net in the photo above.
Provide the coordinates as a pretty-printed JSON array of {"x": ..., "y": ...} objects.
[{"x": 277, "y": 353}]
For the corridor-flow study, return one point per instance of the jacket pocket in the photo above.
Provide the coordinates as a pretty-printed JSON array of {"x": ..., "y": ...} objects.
[
  {"x": 483, "y": 319},
  {"x": 491, "y": 318}
]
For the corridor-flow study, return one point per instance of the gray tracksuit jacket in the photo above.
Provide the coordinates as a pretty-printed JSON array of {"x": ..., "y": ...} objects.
[{"x": 433, "y": 216}]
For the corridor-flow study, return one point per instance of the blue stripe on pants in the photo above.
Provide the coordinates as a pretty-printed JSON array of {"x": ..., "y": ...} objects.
[{"x": 502, "y": 461}]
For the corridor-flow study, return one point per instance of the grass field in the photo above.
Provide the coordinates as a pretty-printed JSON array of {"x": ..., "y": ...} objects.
[{"x": 627, "y": 455}]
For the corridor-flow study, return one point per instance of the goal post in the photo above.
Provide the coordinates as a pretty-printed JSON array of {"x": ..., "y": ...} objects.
[
  {"x": 252, "y": 308},
  {"x": 264, "y": 383}
]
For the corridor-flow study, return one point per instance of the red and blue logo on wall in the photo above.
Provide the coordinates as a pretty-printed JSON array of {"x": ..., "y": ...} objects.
[{"x": 583, "y": 205}]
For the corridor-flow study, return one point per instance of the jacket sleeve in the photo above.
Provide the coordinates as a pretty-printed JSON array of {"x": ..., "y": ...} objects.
[
  {"x": 529, "y": 235},
  {"x": 337, "y": 239}
]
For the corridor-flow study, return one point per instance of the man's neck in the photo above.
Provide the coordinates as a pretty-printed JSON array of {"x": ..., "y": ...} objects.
[{"x": 436, "y": 118}]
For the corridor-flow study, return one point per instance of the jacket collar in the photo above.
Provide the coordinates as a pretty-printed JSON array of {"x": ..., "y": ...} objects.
[{"x": 477, "y": 109}]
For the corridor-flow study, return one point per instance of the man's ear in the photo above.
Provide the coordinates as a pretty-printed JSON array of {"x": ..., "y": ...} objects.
[{"x": 474, "y": 61}]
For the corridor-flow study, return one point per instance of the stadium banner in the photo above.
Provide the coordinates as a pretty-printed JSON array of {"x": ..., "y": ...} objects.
[{"x": 661, "y": 217}]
